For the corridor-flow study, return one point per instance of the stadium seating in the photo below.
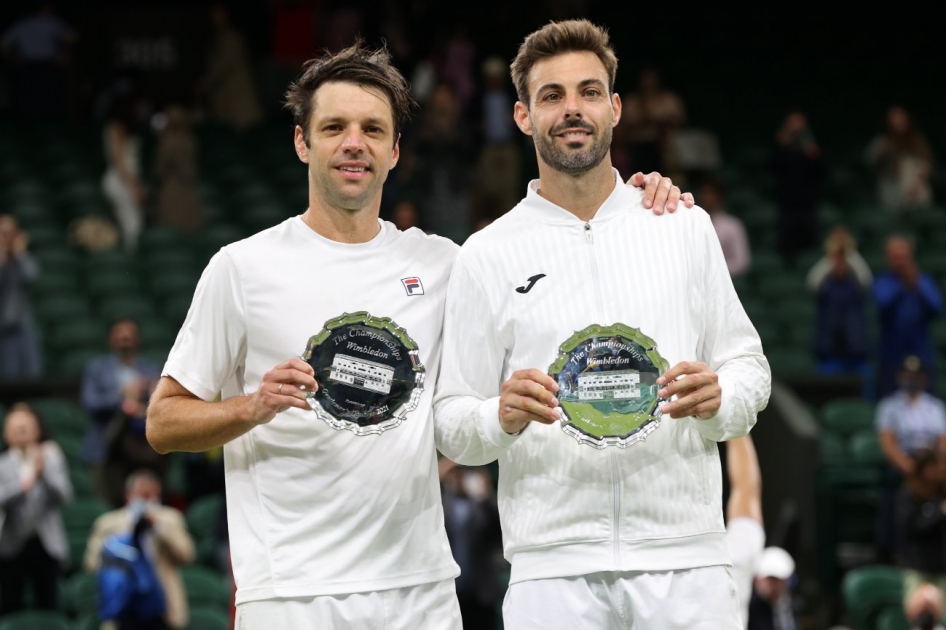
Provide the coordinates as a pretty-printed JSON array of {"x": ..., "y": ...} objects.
[
  {"x": 205, "y": 587},
  {"x": 847, "y": 415},
  {"x": 35, "y": 620},
  {"x": 867, "y": 591},
  {"x": 204, "y": 618}
]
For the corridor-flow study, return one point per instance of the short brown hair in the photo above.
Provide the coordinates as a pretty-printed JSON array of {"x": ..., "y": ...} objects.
[
  {"x": 356, "y": 64},
  {"x": 556, "y": 38}
]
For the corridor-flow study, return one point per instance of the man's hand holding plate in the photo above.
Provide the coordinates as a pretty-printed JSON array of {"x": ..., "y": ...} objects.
[
  {"x": 528, "y": 396},
  {"x": 696, "y": 387}
]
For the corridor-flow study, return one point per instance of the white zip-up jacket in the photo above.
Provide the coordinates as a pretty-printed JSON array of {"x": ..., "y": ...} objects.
[{"x": 566, "y": 508}]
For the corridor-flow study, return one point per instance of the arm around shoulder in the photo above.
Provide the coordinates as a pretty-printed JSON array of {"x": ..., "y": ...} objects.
[{"x": 466, "y": 401}]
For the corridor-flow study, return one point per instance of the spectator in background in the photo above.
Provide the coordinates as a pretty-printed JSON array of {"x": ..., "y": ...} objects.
[
  {"x": 497, "y": 187},
  {"x": 457, "y": 70},
  {"x": 799, "y": 171},
  {"x": 921, "y": 521},
  {"x": 177, "y": 197},
  {"x": 924, "y": 610},
  {"x": 471, "y": 518},
  {"x": 167, "y": 543},
  {"x": 907, "y": 421},
  {"x": 651, "y": 116},
  {"x": 112, "y": 389},
  {"x": 771, "y": 606},
  {"x": 20, "y": 354},
  {"x": 34, "y": 484},
  {"x": 405, "y": 215},
  {"x": 440, "y": 166},
  {"x": 729, "y": 229},
  {"x": 38, "y": 47},
  {"x": 907, "y": 301},
  {"x": 121, "y": 182},
  {"x": 840, "y": 281},
  {"x": 228, "y": 82},
  {"x": 902, "y": 159}
]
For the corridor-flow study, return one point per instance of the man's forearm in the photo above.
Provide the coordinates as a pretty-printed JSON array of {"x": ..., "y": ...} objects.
[{"x": 183, "y": 423}]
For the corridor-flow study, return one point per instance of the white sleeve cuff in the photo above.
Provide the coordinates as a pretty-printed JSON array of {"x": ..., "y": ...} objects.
[
  {"x": 717, "y": 427},
  {"x": 488, "y": 417}
]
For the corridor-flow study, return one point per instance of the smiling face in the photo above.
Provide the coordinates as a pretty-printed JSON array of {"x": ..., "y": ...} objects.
[
  {"x": 351, "y": 148},
  {"x": 571, "y": 116}
]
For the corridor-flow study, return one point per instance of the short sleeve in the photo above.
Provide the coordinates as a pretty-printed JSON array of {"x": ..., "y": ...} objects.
[
  {"x": 886, "y": 417},
  {"x": 211, "y": 345}
]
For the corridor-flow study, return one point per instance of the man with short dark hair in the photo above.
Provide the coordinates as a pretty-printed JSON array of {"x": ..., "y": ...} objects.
[
  {"x": 580, "y": 309},
  {"x": 335, "y": 516},
  {"x": 114, "y": 391}
]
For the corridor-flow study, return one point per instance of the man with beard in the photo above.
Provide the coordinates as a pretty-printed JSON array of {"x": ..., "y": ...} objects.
[
  {"x": 333, "y": 501},
  {"x": 610, "y": 519}
]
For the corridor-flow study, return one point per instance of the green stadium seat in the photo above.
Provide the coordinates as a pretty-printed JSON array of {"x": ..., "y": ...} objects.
[
  {"x": 55, "y": 309},
  {"x": 35, "y": 620},
  {"x": 81, "y": 594},
  {"x": 88, "y": 622},
  {"x": 71, "y": 364},
  {"x": 48, "y": 236},
  {"x": 263, "y": 215},
  {"x": 847, "y": 415},
  {"x": 205, "y": 618},
  {"x": 62, "y": 417},
  {"x": 892, "y": 618},
  {"x": 70, "y": 444},
  {"x": 53, "y": 283},
  {"x": 77, "y": 541},
  {"x": 205, "y": 587},
  {"x": 865, "y": 448},
  {"x": 81, "y": 479},
  {"x": 866, "y": 591},
  {"x": 110, "y": 261},
  {"x": 202, "y": 515},
  {"x": 175, "y": 307},
  {"x": 171, "y": 260},
  {"x": 78, "y": 334},
  {"x": 834, "y": 451},
  {"x": 783, "y": 288},
  {"x": 791, "y": 361},
  {"x": 155, "y": 331},
  {"x": 798, "y": 335},
  {"x": 57, "y": 261},
  {"x": 770, "y": 333},
  {"x": 164, "y": 285},
  {"x": 160, "y": 238},
  {"x": 212, "y": 238},
  {"x": 112, "y": 282},
  {"x": 78, "y": 516},
  {"x": 33, "y": 214},
  {"x": 765, "y": 264},
  {"x": 133, "y": 306}
]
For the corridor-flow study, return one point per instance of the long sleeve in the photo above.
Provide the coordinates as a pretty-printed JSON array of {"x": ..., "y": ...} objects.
[
  {"x": 92, "y": 559},
  {"x": 887, "y": 288},
  {"x": 818, "y": 273},
  {"x": 173, "y": 538},
  {"x": 55, "y": 477},
  {"x": 731, "y": 347},
  {"x": 97, "y": 394},
  {"x": 10, "y": 487},
  {"x": 860, "y": 268},
  {"x": 466, "y": 400}
]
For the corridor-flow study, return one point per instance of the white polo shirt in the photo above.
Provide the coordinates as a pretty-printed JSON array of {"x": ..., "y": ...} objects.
[{"x": 314, "y": 510}]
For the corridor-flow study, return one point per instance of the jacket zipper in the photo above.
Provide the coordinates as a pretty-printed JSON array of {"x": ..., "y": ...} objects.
[{"x": 615, "y": 470}]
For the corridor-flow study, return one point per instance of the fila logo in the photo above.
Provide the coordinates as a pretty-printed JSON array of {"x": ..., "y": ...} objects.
[{"x": 413, "y": 286}]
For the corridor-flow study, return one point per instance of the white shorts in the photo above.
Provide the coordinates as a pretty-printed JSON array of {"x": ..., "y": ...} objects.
[
  {"x": 426, "y": 607},
  {"x": 745, "y": 538},
  {"x": 693, "y": 599}
]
